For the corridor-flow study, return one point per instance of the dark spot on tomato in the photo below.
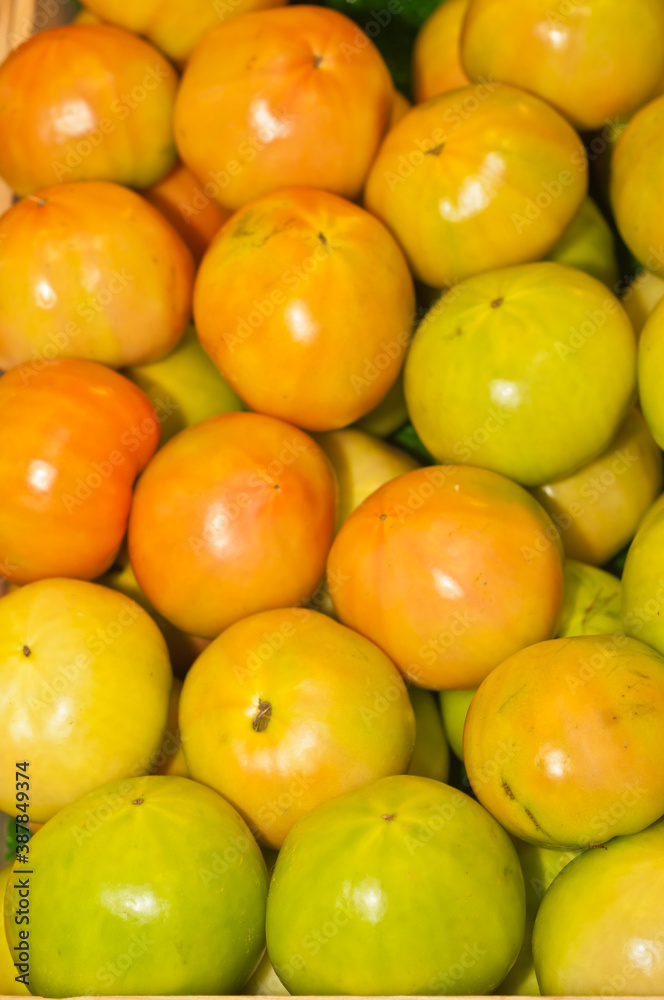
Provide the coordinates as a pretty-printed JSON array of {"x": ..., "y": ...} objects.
[
  {"x": 137, "y": 802},
  {"x": 26, "y": 651},
  {"x": 496, "y": 303}
]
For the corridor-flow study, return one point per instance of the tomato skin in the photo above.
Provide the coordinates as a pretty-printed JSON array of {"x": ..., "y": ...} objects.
[
  {"x": 434, "y": 568},
  {"x": 175, "y": 29},
  {"x": 8, "y": 970},
  {"x": 309, "y": 285},
  {"x": 182, "y": 200},
  {"x": 579, "y": 754},
  {"x": 76, "y": 435},
  {"x": 437, "y": 57},
  {"x": 338, "y": 716},
  {"x": 588, "y": 245},
  {"x": 642, "y": 580},
  {"x": 233, "y": 516},
  {"x": 592, "y": 61},
  {"x": 67, "y": 111},
  {"x": 650, "y": 368},
  {"x": 598, "y": 508},
  {"x": 256, "y": 110},
  {"x": 592, "y": 601},
  {"x": 147, "y": 883},
  {"x": 423, "y": 888},
  {"x": 91, "y": 270},
  {"x": 475, "y": 179},
  {"x": 88, "y": 702}
]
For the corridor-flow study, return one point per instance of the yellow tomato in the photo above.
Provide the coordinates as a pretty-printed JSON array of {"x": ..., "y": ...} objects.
[
  {"x": 431, "y": 756},
  {"x": 641, "y": 296},
  {"x": 389, "y": 415},
  {"x": 475, "y": 179},
  {"x": 436, "y": 57},
  {"x": 599, "y": 507},
  {"x": 588, "y": 245},
  {"x": 84, "y": 688},
  {"x": 170, "y": 759},
  {"x": 643, "y": 580},
  {"x": 591, "y": 60},
  {"x": 651, "y": 372},
  {"x": 637, "y": 184},
  {"x": 362, "y": 463},
  {"x": 591, "y": 604},
  {"x": 400, "y": 106}
]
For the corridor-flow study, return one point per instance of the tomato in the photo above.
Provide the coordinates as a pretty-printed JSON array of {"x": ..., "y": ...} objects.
[
  {"x": 454, "y": 707},
  {"x": 599, "y": 507},
  {"x": 528, "y": 371},
  {"x": 185, "y": 387},
  {"x": 643, "y": 580},
  {"x": 91, "y": 271},
  {"x": 287, "y": 709},
  {"x": 389, "y": 415},
  {"x": 400, "y": 105},
  {"x": 84, "y": 687},
  {"x": 172, "y": 27},
  {"x": 182, "y": 200},
  {"x": 540, "y": 865},
  {"x": 637, "y": 168},
  {"x": 650, "y": 369},
  {"x": 592, "y": 601},
  {"x": 146, "y": 883},
  {"x": 310, "y": 286},
  {"x": 85, "y": 102},
  {"x": 8, "y": 971},
  {"x": 592, "y": 61},
  {"x": 641, "y": 296},
  {"x": 75, "y": 436},
  {"x": 270, "y": 100},
  {"x": 564, "y": 740},
  {"x": 431, "y": 756},
  {"x": 588, "y": 245},
  {"x": 423, "y": 889},
  {"x": 361, "y": 463},
  {"x": 265, "y": 982},
  {"x": 599, "y": 928},
  {"x": 170, "y": 759},
  {"x": 436, "y": 57},
  {"x": 476, "y": 179},
  {"x": 233, "y": 516},
  {"x": 449, "y": 570}
]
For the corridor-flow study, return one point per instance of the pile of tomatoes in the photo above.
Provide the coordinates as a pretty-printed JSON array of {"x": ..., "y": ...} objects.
[{"x": 331, "y": 442}]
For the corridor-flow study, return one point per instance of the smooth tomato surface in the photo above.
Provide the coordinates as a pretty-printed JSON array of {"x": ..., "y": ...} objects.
[
  {"x": 651, "y": 370},
  {"x": 85, "y": 102},
  {"x": 477, "y": 178},
  {"x": 305, "y": 303},
  {"x": 181, "y": 199},
  {"x": 91, "y": 270},
  {"x": 436, "y": 57},
  {"x": 75, "y": 436},
  {"x": 233, "y": 516},
  {"x": 284, "y": 97},
  {"x": 449, "y": 570}
]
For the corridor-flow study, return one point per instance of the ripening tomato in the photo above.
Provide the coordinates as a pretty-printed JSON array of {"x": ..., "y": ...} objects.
[
  {"x": 650, "y": 370},
  {"x": 588, "y": 244},
  {"x": 305, "y": 303},
  {"x": 400, "y": 106},
  {"x": 563, "y": 741},
  {"x": 85, "y": 102},
  {"x": 90, "y": 270},
  {"x": 448, "y": 569},
  {"x": 592, "y": 61},
  {"x": 75, "y": 436},
  {"x": 436, "y": 57},
  {"x": 641, "y": 296},
  {"x": 175, "y": 28},
  {"x": 475, "y": 179},
  {"x": 181, "y": 199},
  {"x": 598, "y": 508},
  {"x": 295, "y": 96},
  {"x": 233, "y": 516}
]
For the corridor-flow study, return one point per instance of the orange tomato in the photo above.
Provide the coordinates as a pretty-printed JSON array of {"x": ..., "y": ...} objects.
[
  {"x": 287, "y": 709},
  {"x": 314, "y": 293},
  {"x": 592, "y": 61},
  {"x": 175, "y": 28},
  {"x": 400, "y": 106},
  {"x": 598, "y": 508},
  {"x": 182, "y": 200},
  {"x": 475, "y": 179},
  {"x": 75, "y": 436},
  {"x": 449, "y": 570},
  {"x": 234, "y": 515},
  {"x": 85, "y": 102},
  {"x": 436, "y": 57},
  {"x": 296, "y": 96},
  {"x": 92, "y": 271}
]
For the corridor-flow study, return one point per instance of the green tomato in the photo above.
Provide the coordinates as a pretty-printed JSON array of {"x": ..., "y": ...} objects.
[
  {"x": 528, "y": 371},
  {"x": 588, "y": 245},
  {"x": 404, "y": 886},
  {"x": 651, "y": 372},
  {"x": 591, "y": 603},
  {"x": 643, "y": 580},
  {"x": 454, "y": 706},
  {"x": 265, "y": 982},
  {"x": 431, "y": 756},
  {"x": 600, "y": 928},
  {"x": 151, "y": 885}
]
